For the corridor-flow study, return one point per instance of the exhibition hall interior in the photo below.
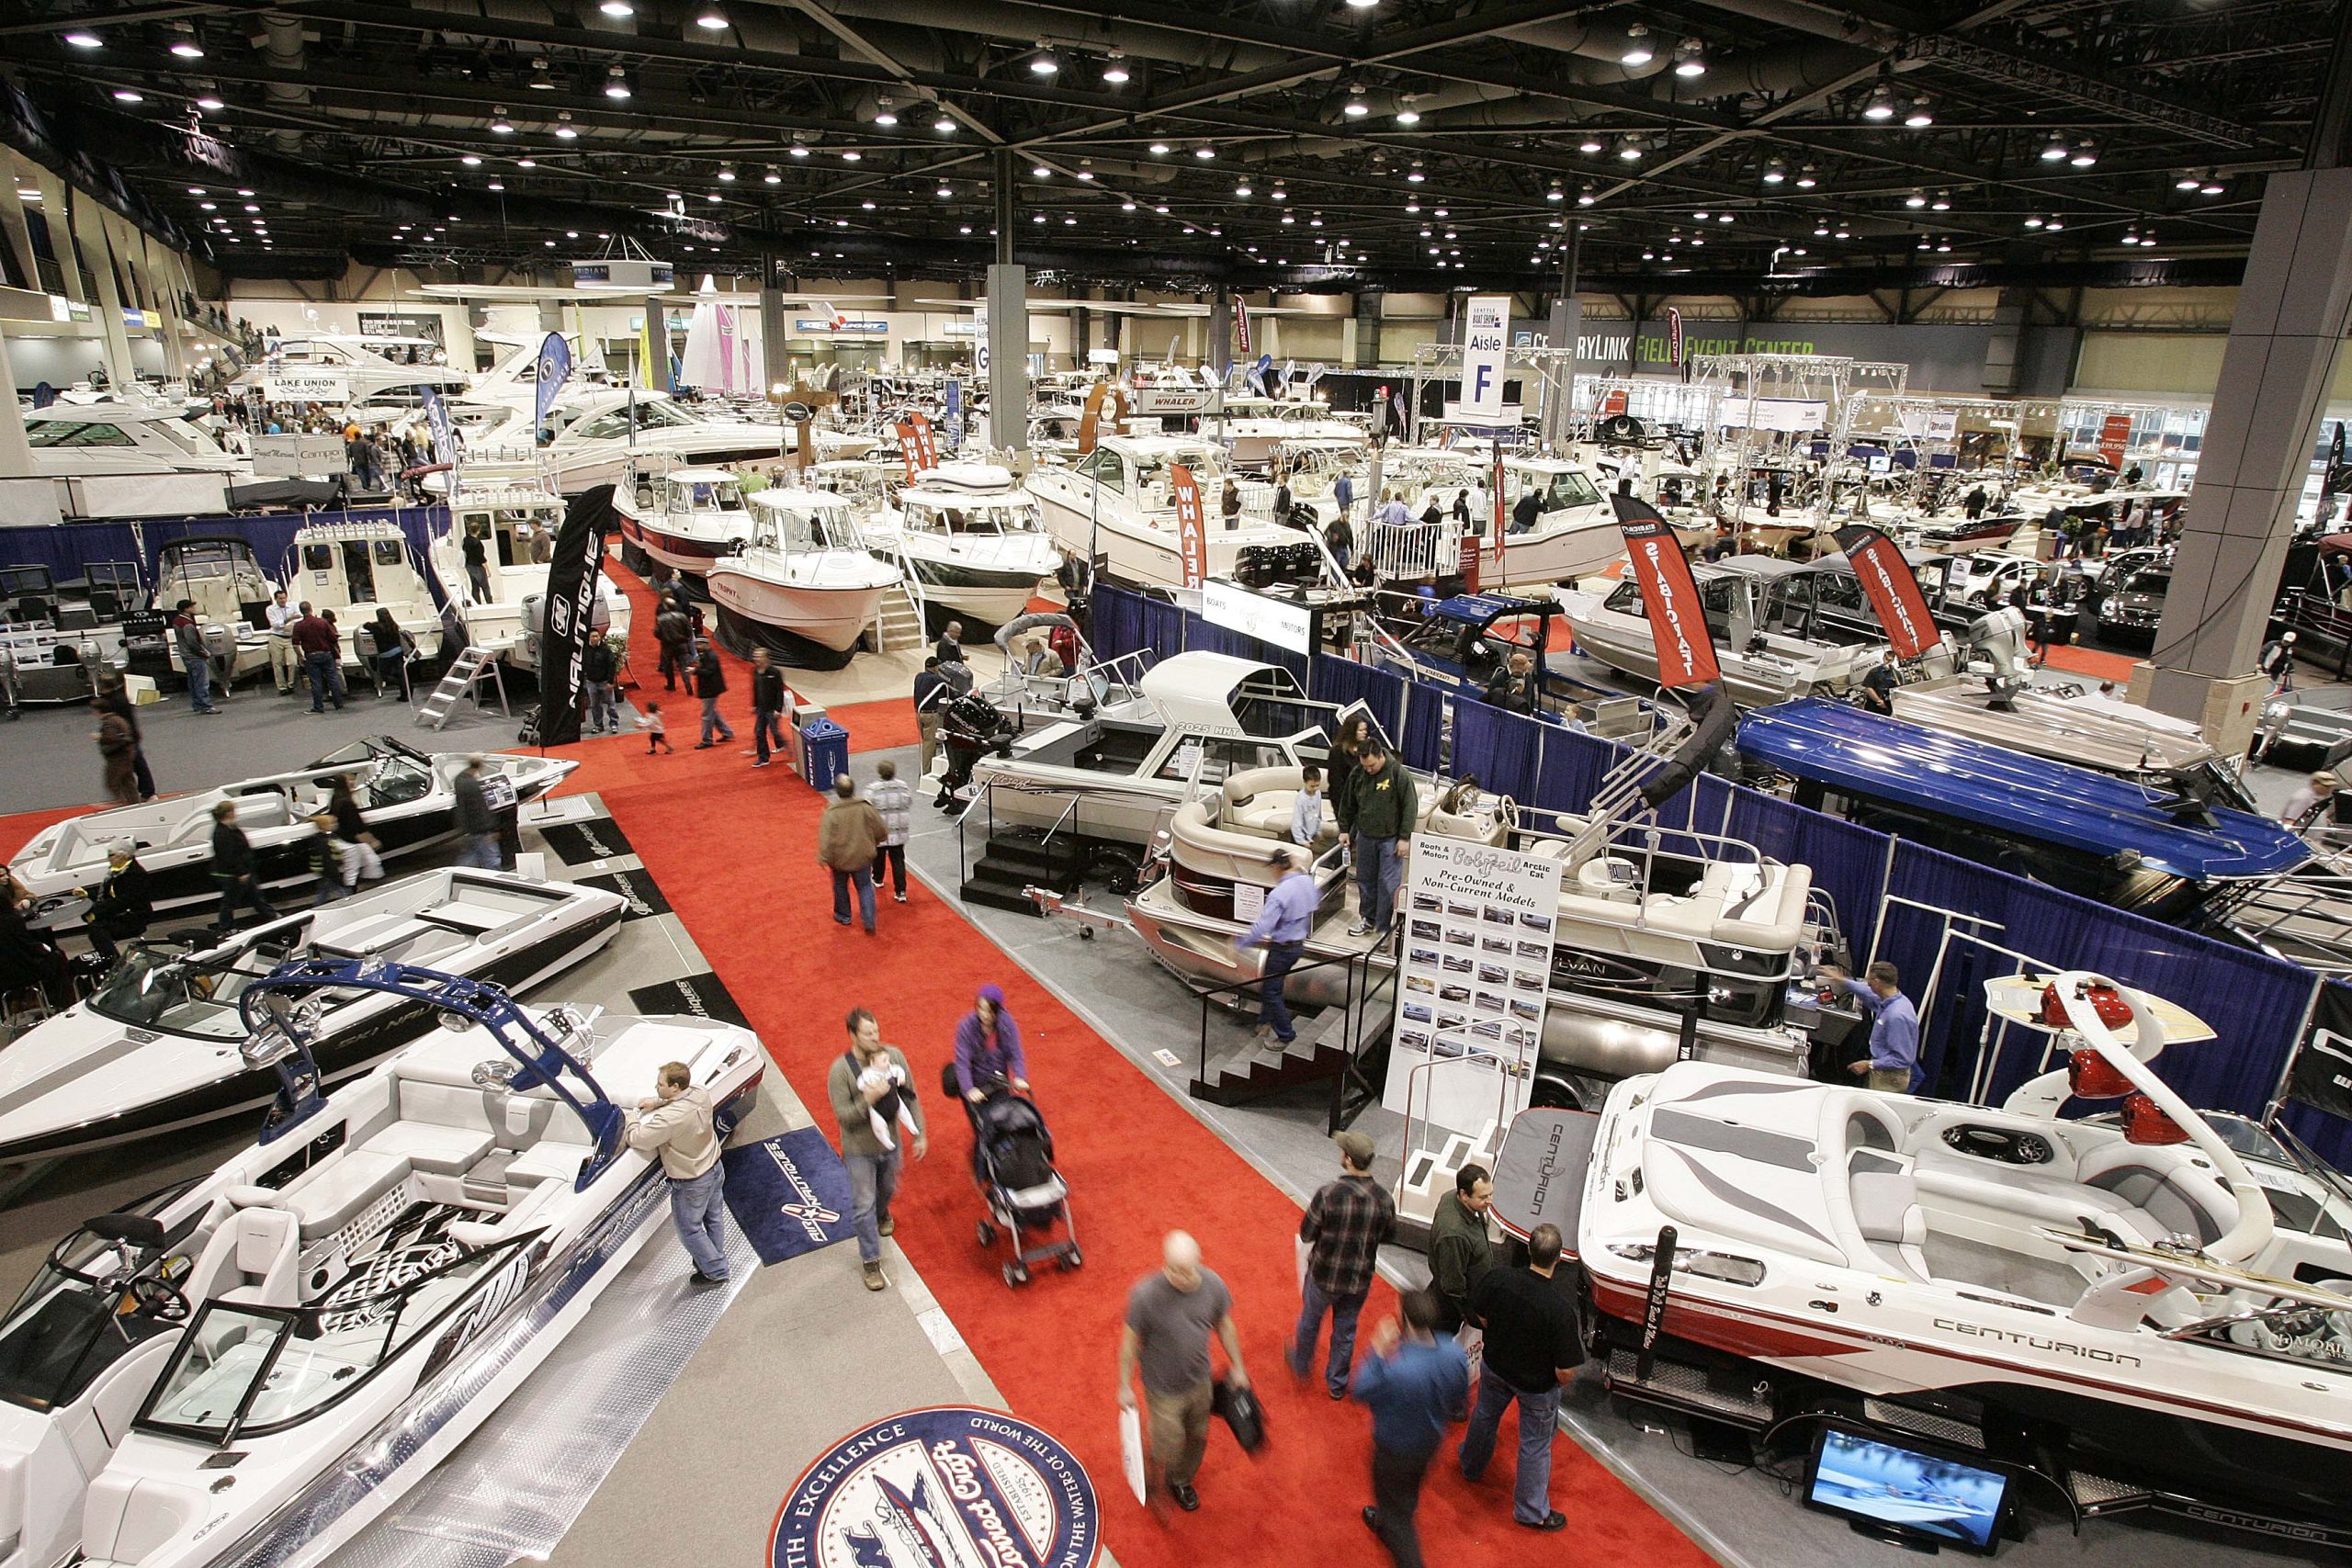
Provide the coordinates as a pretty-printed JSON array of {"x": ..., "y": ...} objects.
[{"x": 859, "y": 783}]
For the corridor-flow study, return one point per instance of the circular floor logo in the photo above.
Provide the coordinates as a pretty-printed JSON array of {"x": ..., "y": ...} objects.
[{"x": 946, "y": 1487}]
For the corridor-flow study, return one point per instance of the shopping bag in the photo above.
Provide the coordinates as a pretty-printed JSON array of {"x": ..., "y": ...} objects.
[
  {"x": 1131, "y": 1450},
  {"x": 1241, "y": 1411}
]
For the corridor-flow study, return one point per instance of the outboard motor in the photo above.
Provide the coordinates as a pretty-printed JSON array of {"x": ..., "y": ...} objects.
[{"x": 968, "y": 728}]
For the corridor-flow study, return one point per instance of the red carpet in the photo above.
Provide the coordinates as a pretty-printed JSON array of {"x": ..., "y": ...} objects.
[
  {"x": 2093, "y": 663},
  {"x": 723, "y": 843}
]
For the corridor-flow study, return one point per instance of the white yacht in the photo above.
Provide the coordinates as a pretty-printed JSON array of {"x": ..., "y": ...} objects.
[
  {"x": 131, "y": 460},
  {"x": 512, "y": 524},
  {"x": 379, "y": 373},
  {"x": 1574, "y": 533},
  {"x": 969, "y": 539},
  {"x": 1254, "y": 429},
  {"x": 1119, "y": 494},
  {"x": 805, "y": 586},
  {"x": 357, "y": 567}
]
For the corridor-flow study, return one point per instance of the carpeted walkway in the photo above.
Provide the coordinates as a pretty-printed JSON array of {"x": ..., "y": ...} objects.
[{"x": 735, "y": 852}]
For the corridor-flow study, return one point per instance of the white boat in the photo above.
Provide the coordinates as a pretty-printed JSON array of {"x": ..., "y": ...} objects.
[
  {"x": 1255, "y": 429},
  {"x": 1117, "y": 498},
  {"x": 970, "y": 540},
  {"x": 2162, "y": 1299},
  {"x": 154, "y": 1048},
  {"x": 325, "y": 1317},
  {"x": 1574, "y": 533},
  {"x": 354, "y": 569},
  {"x": 1759, "y": 630},
  {"x": 805, "y": 585},
  {"x": 119, "y": 459},
  {"x": 368, "y": 367},
  {"x": 406, "y": 796},
  {"x": 512, "y": 523},
  {"x": 685, "y": 517}
]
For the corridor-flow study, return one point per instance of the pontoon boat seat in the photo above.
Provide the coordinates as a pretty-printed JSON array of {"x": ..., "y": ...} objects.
[{"x": 254, "y": 1256}]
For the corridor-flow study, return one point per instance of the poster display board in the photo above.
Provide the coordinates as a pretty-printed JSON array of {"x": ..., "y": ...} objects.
[{"x": 1473, "y": 982}]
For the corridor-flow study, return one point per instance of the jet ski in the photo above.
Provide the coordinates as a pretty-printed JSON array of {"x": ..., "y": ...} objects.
[
  {"x": 158, "y": 1045},
  {"x": 255, "y": 1367}
]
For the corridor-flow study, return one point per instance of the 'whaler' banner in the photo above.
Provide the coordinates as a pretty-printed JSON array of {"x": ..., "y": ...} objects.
[
  {"x": 1893, "y": 590},
  {"x": 1685, "y": 653},
  {"x": 1191, "y": 534},
  {"x": 570, "y": 607}
]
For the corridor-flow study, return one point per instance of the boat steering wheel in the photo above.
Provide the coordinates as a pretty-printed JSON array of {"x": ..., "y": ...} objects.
[{"x": 160, "y": 1299}]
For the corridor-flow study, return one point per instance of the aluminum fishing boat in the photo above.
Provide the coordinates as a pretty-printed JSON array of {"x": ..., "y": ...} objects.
[
  {"x": 254, "y": 1368},
  {"x": 406, "y": 796},
  {"x": 155, "y": 1048},
  {"x": 1761, "y": 612},
  {"x": 2142, "y": 1310}
]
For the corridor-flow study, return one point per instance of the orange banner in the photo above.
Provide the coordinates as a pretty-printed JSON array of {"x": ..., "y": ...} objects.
[
  {"x": 1685, "y": 653},
  {"x": 1192, "y": 534},
  {"x": 2115, "y": 438}
]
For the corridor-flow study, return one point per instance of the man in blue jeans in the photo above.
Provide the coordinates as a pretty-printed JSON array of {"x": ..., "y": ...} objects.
[
  {"x": 1387, "y": 808},
  {"x": 1533, "y": 1351},
  {"x": 873, "y": 1094},
  {"x": 1343, "y": 1226},
  {"x": 1413, "y": 1380},
  {"x": 678, "y": 1123},
  {"x": 1284, "y": 921}
]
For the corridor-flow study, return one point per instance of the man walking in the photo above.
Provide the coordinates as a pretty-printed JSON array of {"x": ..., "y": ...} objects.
[
  {"x": 1283, "y": 924},
  {"x": 1532, "y": 1351},
  {"x": 894, "y": 802},
  {"x": 932, "y": 693},
  {"x": 195, "y": 659},
  {"x": 599, "y": 670},
  {"x": 1461, "y": 1254},
  {"x": 1170, "y": 1315},
  {"x": 677, "y": 1124},
  {"x": 848, "y": 836},
  {"x": 1893, "y": 1066},
  {"x": 315, "y": 640},
  {"x": 283, "y": 659},
  {"x": 477, "y": 829},
  {"x": 1385, "y": 809},
  {"x": 1343, "y": 1226},
  {"x": 710, "y": 684},
  {"x": 873, "y": 1100},
  {"x": 234, "y": 871},
  {"x": 769, "y": 702},
  {"x": 674, "y": 632},
  {"x": 1414, "y": 1384}
]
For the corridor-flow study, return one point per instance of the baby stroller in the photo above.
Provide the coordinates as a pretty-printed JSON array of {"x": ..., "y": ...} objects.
[{"x": 1012, "y": 1160}]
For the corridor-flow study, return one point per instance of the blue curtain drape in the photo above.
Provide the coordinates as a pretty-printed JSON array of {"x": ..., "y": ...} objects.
[
  {"x": 1500, "y": 749},
  {"x": 1424, "y": 729},
  {"x": 68, "y": 548},
  {"x": 1343, "y": 681},
  {"x": 1117, "y": 628},
  {"x": 1572, "y": 770}
]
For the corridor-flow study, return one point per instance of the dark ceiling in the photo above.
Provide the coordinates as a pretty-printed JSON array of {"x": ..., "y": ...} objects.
[{"x": 1399, "y": 144}]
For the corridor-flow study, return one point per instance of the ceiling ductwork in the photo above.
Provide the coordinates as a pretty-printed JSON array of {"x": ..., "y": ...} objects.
[{"x": 280, "y": 39}]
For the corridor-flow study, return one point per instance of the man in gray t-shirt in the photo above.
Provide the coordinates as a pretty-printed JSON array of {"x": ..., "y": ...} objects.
[{"x": 1169, "y": 1317}]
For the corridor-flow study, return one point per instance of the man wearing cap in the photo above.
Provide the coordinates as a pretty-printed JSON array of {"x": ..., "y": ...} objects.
[{"x": 1343, "y": 1227}]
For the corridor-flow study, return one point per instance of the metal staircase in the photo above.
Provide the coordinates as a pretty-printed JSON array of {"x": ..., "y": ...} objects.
[{"x": 464, "y": 679}]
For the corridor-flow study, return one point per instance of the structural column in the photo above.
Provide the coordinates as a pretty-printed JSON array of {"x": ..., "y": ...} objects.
[
  {"x": 90, "y": 239},
  {"x": 1367, "y": 329},
  {"x": 657, "y": 343},
  {"x": 1220, "y": 358},
  {"x": 1008, "y": 302},
  {"x": 775, "y": 363},
  {"x": 2292, "y": 312}
]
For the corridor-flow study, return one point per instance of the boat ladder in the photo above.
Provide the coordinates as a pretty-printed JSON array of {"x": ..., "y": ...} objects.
[
  {"x": 898, "y": 620},
  {"x": 464, "y": 679}
]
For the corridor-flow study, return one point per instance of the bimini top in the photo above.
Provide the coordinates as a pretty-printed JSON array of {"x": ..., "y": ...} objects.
[
  {"x": 2012, "y": 794},
  {"x": 1203, "y": 691}
]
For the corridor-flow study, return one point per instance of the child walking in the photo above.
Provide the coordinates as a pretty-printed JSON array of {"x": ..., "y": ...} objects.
[{"x": 657, "y": 734}]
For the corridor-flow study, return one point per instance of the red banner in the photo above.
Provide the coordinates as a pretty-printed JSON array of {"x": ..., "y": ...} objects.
[
  {"x": 926, "y": 444},
  {"x": 1612, "y": 403},
  {"x": 1192, "y": 538},
  {"x": 907, "y": 450},
  {"x": 1242, "y": 325},
  {"x": 1893, "y": 590},
  {"x": 2115, "y": 438},
  {"x": 1685, "y": 653}
]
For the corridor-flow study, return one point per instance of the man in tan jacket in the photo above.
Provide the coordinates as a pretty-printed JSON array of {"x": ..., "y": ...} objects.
[
  {"x": 848, "y": 835},
  {"x": 676, "y": 1124}
]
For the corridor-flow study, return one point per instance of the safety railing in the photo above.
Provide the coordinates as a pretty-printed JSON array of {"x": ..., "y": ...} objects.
[{"x": 1408, "y": 552}]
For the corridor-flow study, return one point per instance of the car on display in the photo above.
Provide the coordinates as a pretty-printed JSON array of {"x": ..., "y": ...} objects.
[
  {"x": 2129, "y": 611},
  {"x": 406, "y": 797},
  {"x": 256, "y": 1365},
  {"x": 157, "y": 1046}
]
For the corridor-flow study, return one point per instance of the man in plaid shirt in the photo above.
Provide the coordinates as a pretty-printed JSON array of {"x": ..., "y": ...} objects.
[{"x": 1343, "y": 1228}]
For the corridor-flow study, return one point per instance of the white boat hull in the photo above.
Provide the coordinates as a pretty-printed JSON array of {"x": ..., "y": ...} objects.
[{"x": 832, "y": 618}]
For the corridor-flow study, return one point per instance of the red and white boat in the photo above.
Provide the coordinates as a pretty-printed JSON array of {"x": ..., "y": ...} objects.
[{"x": 685, "y": 518}]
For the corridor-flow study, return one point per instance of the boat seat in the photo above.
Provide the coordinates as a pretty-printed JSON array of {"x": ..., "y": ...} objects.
[
  {"x": 1265, "y": 814},
  {"x": 2170, "y": 1187},
  {"x": 330, "y": 1196},
  {"x": 427, "y": 1147},
  {"x": 253, "y": 1258},
  {"x": 1887, "y": 1217},
  {"x": 549, "y": 1159}
]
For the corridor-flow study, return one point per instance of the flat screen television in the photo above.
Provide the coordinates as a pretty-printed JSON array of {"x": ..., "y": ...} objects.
[{"x": 1913, "y": 1495}]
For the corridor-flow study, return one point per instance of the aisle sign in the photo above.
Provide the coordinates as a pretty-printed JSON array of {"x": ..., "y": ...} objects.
[
  {"x": 1486, "y": 338},
  {"x": 980, "y": 343},
  {"x": 1192, "y": 538},
  {"x": 1473, "y": 982}
]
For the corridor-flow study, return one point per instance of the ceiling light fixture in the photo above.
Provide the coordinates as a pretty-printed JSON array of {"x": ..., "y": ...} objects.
[
  {"x": 1242, "y": 190},
  {"x": 1943, "y": 203},
  {"x": 125, "y": 95},
  {"x": 727, "y": 173},
  {"x": 1159, "y": 149},
  {"x": 210, "y": 103},
  {"x": 1556, "y": 192},
  {"x": 1637, "y": 46},
  {"x": 615, "y": 83},
  {"x": 618, "y": 9},
  {"x": 1806, "y": 178},
  {"x": 2084, "y": 156},
  {"x": 775, "y": 175},
  {"x": 853, "y": 156},
  {"x": 1690, "y": 59},
  {"x": 82, "y": 37},
  {"x": 542, "y": 80},
  {"x": 885, "y": 120},
  {"x": 2211, "y": 187},
  {"x": 1204, "y": 152},
  {"x": 2054, "y": 150},
  {"x": 1919, "y": 116},
  {"x": 564, "y": 129},
  {"x": 186, "y": 47},
  {"x": 1408, "y": 116},
  {"x": 711, "y": 19},
  {"x": 944, "y": 190},
  {"x": 1881, "y": 107},
  {"x": 1630, "y": 150},
  {"x": 500, "y": 125},
  {"x": 1115, "y": 70},
  {"x": 1043, "y": 63},
  {"x": 1775, "y": 172},
  {"x": 472, "y": 160},
  {"x": 944, "y": 125}
]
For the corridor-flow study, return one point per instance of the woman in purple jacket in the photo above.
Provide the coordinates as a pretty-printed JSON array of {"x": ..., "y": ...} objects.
[{"x": 987, "y": 1044}]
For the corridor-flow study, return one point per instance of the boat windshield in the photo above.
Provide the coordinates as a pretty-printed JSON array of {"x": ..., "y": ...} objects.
[
  {"x": 1561, "y": 490},
  {"x": 399, "y": 774},
  {"x": 982, "y": 517},
  {"x": 64, "y": 1331},
  {"x": 705, "y": 495},
  {"x": 254, "y": 1369},
  {"x": 156, "y": 988}
]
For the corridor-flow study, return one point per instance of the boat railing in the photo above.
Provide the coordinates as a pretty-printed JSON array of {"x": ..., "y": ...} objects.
[{"x": 1411, "y": 551}]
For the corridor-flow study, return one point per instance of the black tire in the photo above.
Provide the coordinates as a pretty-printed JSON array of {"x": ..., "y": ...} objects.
[
  {"x": 1016, "y": 1275},
  {"x": 986, "y": 1233}
]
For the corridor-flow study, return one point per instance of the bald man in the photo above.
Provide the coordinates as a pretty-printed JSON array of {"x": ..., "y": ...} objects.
[{"x": 1169, "y": 1315}]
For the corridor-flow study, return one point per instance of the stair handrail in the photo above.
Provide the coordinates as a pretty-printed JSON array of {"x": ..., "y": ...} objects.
[{"x": 1346, "y": 1107}]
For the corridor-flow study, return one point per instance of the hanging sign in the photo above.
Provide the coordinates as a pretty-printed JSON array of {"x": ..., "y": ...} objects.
[
  {"x": 1475, "y": 979},
  {"x": 981, "y": 340},
  {"x": 1673, "y": 335},
  {"x": 1612, "y": 403},
  {"x": 1191, "y": 535},
  {"x": 305, "y": 387},
  {"x": 921, "y": 449},
  {"x": 1486, "y": 338},
  {"x": 1277, "y": 621},
  {"x": 2115, "y": 438}
]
